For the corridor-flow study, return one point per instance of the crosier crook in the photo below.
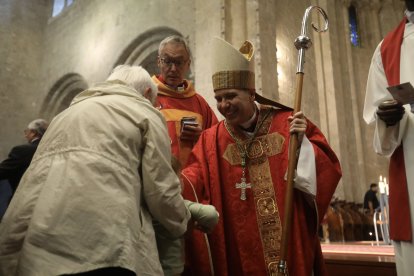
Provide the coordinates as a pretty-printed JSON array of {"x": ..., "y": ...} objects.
[{"x": 302, "y": 43}]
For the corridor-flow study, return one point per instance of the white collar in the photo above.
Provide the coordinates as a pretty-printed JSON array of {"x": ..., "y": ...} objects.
[
  {"x": 34, "y": 139},
  {"x": 249, "y": 122}
]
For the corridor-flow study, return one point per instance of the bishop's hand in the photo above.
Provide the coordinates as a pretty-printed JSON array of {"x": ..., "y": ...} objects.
[
  {"x": 391, "y": 112},
  {"x": 298, "y": 125}
]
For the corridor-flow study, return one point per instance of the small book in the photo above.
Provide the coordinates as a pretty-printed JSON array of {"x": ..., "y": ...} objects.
[{"x": 403, "y": 93}]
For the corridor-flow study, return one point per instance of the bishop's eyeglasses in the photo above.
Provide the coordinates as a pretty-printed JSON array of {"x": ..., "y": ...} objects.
[{"x": 169, "y": 62}]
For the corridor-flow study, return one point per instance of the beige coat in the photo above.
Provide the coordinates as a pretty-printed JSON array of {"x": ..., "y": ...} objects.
[{"x": 84, "y": 203}]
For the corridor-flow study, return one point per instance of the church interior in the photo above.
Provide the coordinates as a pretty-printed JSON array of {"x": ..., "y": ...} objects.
[{"x": 54, "y": 49}]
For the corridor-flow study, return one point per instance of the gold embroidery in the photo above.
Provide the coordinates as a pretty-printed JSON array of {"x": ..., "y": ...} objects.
[
  {"x": 272, "y": 267},
  {"x": 267, "y": 213},
  {"x": 269, "y": 144},
  {"x": 266, "y": 206},
  {"x": 254, "y": 149},
  {"x": 233, "y": 79}
]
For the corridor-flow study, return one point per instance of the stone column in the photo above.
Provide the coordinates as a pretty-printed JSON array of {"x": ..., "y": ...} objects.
[
  {"x": 266, "y": 63},
  {"x": 374, "y": 10},
  {"x": 236, "y": 21},
  {"x": 209, "y": 22},
  {"x": 22, "y": 25},
  {"x": 331, "y": 121},
  {"x": 357, "y": 167}
]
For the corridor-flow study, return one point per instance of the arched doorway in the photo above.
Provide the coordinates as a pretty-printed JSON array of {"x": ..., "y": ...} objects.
[
  {"x": 61, "y": 94},
  {"x": 143, "y": 50}
]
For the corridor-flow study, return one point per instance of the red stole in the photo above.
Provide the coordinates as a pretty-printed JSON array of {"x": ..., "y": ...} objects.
[
  {"x": 400, "y": 222},
  {"x": 174, "y": 106}
]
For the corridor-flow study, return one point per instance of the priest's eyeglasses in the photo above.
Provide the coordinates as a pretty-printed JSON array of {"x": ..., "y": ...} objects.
[{"x": 169, "y": 62}]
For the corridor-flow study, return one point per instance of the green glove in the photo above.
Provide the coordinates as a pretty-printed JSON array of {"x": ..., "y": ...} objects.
[{"x": 206, "y": 216}]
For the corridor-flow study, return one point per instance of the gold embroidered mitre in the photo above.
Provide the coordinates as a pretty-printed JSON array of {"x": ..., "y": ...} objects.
[{"x": 232, "y": 68}]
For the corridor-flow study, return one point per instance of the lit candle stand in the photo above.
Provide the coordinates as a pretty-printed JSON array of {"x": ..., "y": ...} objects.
[
  {"x": 381, "y": 185},
  {"x": 386, "y": 206},
  {"x": 386, "y": 187},
  {"x": 383, "y": 188}
]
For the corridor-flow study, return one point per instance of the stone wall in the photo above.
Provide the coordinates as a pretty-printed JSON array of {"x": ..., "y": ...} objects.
[
  {"x": 21, "y": 46},
  {"x": 48, "y": 60},
  {"x": 90, "y": 36}
]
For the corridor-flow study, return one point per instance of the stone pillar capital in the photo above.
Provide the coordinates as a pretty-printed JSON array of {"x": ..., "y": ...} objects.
[
  {"x": 346, "y": 3},
  {"x": 376, "y": 5},
  {"x": 362, "y": 4}
]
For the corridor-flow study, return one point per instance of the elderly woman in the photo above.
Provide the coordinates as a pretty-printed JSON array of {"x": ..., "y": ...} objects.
[{"x": 101, "y": 170}]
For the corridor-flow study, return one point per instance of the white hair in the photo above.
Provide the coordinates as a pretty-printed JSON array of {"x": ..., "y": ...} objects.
[
  {"x": 174, "y": 39},
  {"x": 136, "y": 77},
  {"x": 39, "y": 126}
]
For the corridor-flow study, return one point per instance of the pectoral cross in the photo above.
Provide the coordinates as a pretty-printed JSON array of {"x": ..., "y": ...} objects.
[{"x": 243, "y": 186}]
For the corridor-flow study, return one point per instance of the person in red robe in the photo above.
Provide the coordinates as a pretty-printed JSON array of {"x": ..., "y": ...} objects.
[
  {"x": 177, "y": 98},
  {"x": 240, "y": 166}
]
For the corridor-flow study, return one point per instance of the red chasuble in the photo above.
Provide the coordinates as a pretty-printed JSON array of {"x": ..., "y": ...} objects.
[
  {"x": 400, "y": 221},
  {"x": 246, "y": 240},
  {"x": 175, "y": 105}
]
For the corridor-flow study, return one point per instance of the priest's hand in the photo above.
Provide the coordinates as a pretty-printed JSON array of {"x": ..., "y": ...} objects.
[
  {"x": 391, "y": 112},
  {"x": 191, "y": 133},
  {"x": 298, "y": 125}
]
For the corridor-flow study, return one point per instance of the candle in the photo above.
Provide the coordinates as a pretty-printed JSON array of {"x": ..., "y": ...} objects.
[
  {"x": 386, "y": 186},
  {"x": 381, "y": 185}
]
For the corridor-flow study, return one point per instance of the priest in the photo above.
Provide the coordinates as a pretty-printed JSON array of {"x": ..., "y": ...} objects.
[
  {"x": 394, "y": 131},
  {"x": 240, "y": 166},
  {"x": 187, "y": 113}
]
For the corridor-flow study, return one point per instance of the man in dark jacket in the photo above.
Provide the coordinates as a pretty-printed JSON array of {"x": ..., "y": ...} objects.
[
  {"x": 370, "y": 199},
  {"x": 13, "y": 168}
]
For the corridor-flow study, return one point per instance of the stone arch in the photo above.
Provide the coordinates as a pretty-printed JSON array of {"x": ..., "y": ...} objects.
[
  {"x": 143, "y": 50},
  {"x": 61, "y": 94}
]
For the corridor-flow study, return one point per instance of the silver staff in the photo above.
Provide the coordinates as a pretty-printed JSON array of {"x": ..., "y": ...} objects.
[{"x": 302, "y": 43}]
